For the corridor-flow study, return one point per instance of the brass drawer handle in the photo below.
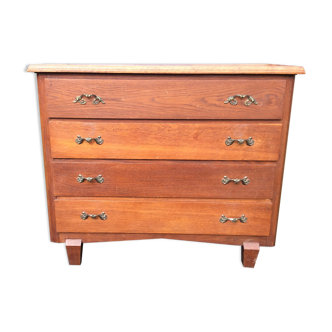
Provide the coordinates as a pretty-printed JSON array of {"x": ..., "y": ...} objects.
[
  {"x": 244, "y": 181},
  {"x": 98, "y": 178},
  {"x": 230, "y": 141},
  {"x": 80, "y": 140},
  {"x": 102, "y": 216},
  {"x": 96, "y": 101},
  {"x": 223, "y": 219},
  {"x": 248, "y": 102}
]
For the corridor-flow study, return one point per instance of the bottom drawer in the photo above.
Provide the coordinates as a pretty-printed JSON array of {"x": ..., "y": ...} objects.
[{"x": 171, "y": 216}]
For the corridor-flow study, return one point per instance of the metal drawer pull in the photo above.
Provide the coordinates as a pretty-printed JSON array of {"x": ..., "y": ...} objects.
[
  {"x": 226, "y": 180},
  {"x": 80, "y": 140},
  {"x": 248, "y": 102},
  {"x": 102, "y": 216},
  {"x": 98, "y": 178},
  {"x": 223, "y": 219},
  {"x": 230, "y": 141},
  {"x": 96, "y": 101}
]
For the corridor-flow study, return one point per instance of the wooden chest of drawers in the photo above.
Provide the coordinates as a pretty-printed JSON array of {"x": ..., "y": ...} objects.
[{"x": 182, "y": 152}]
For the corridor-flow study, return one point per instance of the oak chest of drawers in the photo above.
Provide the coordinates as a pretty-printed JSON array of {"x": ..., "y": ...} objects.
[{"x": 181, "y": 152}]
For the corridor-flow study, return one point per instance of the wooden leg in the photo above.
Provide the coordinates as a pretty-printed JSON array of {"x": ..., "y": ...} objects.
[
  {"x": 249, "y": 253},
  {"x": 74, "y": 251}
]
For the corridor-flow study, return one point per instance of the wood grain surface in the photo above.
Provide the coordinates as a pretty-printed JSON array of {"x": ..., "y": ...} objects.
[
  {"x": 230, "y": 240},
  {"x": 163, "y": 97},
  {"x": 74, "y": 249},
  {"x": 128, "y": 140},
  {"x": 186, "y": 140},
  {"x": 164, "y": 179},
  {"x": 163, "y": 216},
  {"x": 169, "y": 69}
]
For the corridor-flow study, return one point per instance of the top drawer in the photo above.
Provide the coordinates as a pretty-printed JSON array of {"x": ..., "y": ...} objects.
[{"x": 165, "y": 97}]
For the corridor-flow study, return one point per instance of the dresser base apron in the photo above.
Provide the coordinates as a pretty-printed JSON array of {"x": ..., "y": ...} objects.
[
  {"x": 264, "y": 241},
  {"x": 250, "y": 251}
]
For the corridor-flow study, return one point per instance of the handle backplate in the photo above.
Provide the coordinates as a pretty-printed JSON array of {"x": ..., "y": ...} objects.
[
  {"x": 82, "y": 101},
  {"x": 244, "y": 181},
  {"x": 80, "y": 140},
  {"x": 248, "y": 102},
  {"x": 98, "y": 178},
  {"x": 229, "y": 141},
  {"x": 242, "y": 219},
  {"x": 85, "y": 216}
]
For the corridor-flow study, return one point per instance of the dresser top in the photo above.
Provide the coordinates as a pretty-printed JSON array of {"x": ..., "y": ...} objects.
[{"x": 169, "y": 69}]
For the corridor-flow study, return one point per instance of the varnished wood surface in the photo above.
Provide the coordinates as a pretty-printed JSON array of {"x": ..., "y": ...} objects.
[
  {"x": 169, "y": 69},
  {"x": 74, "y": 249},
  {"x": 164, "y": 216},
  {"x": 98, "y": 235},
  {"x": 164, "y": 179},
  {"x": 186, "y": 140},
  {"x": 44, "y": 121},
  {"x": 281, "y": 160},
  {"x": 218, "y": 239},
  {"x": 163, "y": 97},
  {"x": 250, "y": 252}
]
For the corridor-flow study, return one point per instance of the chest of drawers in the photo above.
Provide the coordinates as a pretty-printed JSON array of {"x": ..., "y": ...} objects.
[{"x": 187, "y": 152}]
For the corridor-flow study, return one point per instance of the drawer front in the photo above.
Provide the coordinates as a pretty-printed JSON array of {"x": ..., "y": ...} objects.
[
  {"x": 164, "y": 179},
  {"x": 165, "y": 98},
  {"x": 187, "y": 140},
  {"x": 164, "y": 216}
]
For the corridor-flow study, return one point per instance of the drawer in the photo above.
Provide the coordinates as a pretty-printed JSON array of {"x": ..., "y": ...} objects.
[
  {"x": 165, "y": 97},
  {"x": 172, "y": 216},
  {"x": 164, "y": 179},
  {"x": 187, "y": 140}
]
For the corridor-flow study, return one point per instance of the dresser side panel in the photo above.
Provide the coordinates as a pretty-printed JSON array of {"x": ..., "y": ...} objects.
[
  {"x": 44, "y": 121},
  {"x": 281, "y": 162}
]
